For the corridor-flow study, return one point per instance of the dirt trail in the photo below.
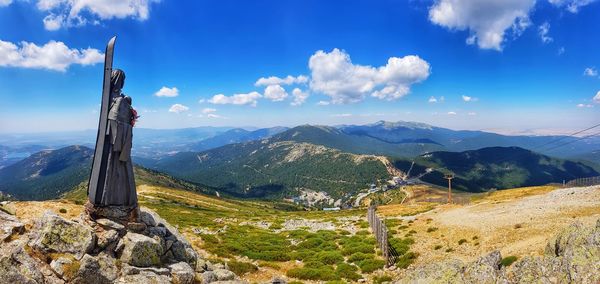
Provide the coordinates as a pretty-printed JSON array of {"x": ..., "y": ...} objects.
[{"x": 520, "y": 226}]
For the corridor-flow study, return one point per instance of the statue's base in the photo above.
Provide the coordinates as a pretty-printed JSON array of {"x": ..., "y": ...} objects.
[{"x": 121, "y": 214}]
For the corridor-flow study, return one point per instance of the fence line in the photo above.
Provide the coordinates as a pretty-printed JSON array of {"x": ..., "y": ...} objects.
[
  {"x": 381, "y": 235},
  {"x": 589, "y": 181}
]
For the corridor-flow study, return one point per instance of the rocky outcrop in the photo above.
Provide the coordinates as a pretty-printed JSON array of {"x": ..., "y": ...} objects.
[
  {"x": 57, "y": 250},
  {"x": 572, "y": 256}
]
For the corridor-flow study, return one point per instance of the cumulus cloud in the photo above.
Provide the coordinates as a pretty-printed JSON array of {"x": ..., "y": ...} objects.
[
  {"x": 584, "y": 106},
  {"x": 275, "y": 93},
  {"x": 323, "y": 103},
  {"x": 237, "y": 99},
  {"x": 432, "y": 100},
  {"x": 341, "y": 115},
  {"x": 167, "y": 92},
  {"x": 334, "y": 75},
  {"x": 289, "y": 80},
  {"x": 451, "y": 113},
  {"x": 54, "y": 55},
  {"x": 4, "y": 3},
  {"x": 178, "y": 108},
  {"x": 71, "y": 13},
  {"x": 590, "y": 71},
  {"x": 596, "y": 98},
  {"x": 543, "y": 31},
  {"x": 572, "y": 6},
  {"x": 468, "y": 99},
  {"x": 487, "y": 21},
  {"x": 299, "y": 97}
]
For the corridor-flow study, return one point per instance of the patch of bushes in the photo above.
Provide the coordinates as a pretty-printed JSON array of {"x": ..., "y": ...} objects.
[
  {"x": 431, "y": 229},
  {"x": 507, "y": 261},
  {"x": 62, "y": 210},
  {"x": 449, "y": 250},
  {"x": 359, "y": 256},
  {"x": 382, "y": 279},
  {"x": 406, "y": 259},
  {"x": 347, "y": 271},
  {"x": 330, "y": 257},
  {"x": 241, "y": 268},
  {"x": 461, "y": 241},
  {"x": 437, "y": 247},
  {"x": 324, "y": 273},
  {"x": 370, "y": 265}
]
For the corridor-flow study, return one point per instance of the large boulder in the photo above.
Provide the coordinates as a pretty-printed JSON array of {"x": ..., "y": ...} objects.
[
  {"x": 9, "y": 225},
  {"x": 140, "y": 250},
  {"x": 182, "y": 273},
  {"x": 16, "y": 266},
  {"x": 144, "y": 277},
  {"x": 486, "y": 269},
  {"x": 56, "y": 234},
  {"x": 438, "y": 272},
  {"x": 101, "y": 269}
]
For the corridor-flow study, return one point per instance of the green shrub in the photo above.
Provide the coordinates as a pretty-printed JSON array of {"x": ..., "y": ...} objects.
[
  {"x": 475, "y": 238},
  {"x": 461, "y": 241},
  {"x": 431, "y": 229},
  {"x": 314, "y": 264},
  {"x": 352, "y": 249},
  {"x": 62, "y": 210},
  {"x": 507, "y": 261},
  {"x": 370, "y": 265},
  {"x": 359, "y": 256},
  {"x": 324, "y": 273},
  {"x": 311, "y": 243},
  {"x": 382, "y": 279},
  {"x": 405, "y": 260},
  {"x": 437, "y": 247},
  {"x": 241, "y": 268},
  {"x": 449, "y": 250},
  {"x": 347, "y": 271},
  {"x": 330, "y": 257}
]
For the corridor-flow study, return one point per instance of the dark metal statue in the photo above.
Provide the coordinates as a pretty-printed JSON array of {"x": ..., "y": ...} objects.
[{"x": 111, "y": 189}]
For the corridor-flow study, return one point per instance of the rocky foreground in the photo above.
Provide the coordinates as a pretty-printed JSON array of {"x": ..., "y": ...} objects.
[
  {"x": 57, "y": 250},
  {"x": 572, "y": 256}
]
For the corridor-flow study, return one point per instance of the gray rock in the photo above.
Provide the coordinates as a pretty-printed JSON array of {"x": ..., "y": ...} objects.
[
  {"x": 8, "y": 207},
  {"x": 182, "y": 249},
  {"x": 201, "y": 265},
  {"x": 9, "y": 225},
  {"x": 140, "y": 250},
  {"x": 223, "y": 274},
  {"x": 144, "y": 277},
  {"x": 486, "y": 269},
  {"x": 157, "y": 231},
  {"x": 182, "y": 273},
  {"x": 136, "y": 227},
  {"x": 438, "y": 272},
  {"x": 110, "y": 224},
  {"x": 147, "y": 219},
  {"x": 16, "y": 266},
  {"x": 209, "y": 277},
  {"x": 127, "y": 269},
  {"x": 55, "y": 234},
  {"x": 540, "y": 270},
  {"x": 278, "y": 280},
  {"x": 105, "y": 238},
  {"x": 101, "y": 269},
  {"x": 58, "y": 266},
  {"x": 230, "y": 282}
]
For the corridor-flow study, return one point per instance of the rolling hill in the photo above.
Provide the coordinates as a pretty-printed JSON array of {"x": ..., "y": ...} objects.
[
  {"x": 236, "y": 135},
  {"x": 495, "y": 168},
  {"x": 272, "y": 168},
  {"x": 46, "y": 174}
]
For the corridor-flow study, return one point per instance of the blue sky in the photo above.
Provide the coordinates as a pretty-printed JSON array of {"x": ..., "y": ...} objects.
[{"x": 518, "y": 66}]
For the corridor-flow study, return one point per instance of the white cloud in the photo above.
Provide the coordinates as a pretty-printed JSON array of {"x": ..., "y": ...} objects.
[
  {"x": 572, "y": 6},
  {"x": 289, "y": 80},
  {"x": 213, "y": 115},
  {"x": 590, "y": 71},
  {"x": 236, "y": 99},
  {"x": 341, "y": 115},
  {"x": 323, "y": 103},
  {"x": 299, "y": 97},
  {"x": 432, "y": 99},
  {"x": 561, "y": 50},
  {"x": 167, "y": 92},
  {"x": 469, "y": 99},
  {"x": 487, "y": 21},
  {"x": 275, "y": 93},
  {"x": 4, "y": 3},
  {"x": 584, "y": 106},
  {"x": 451, "y": 113},
  {"x": 54, "y": 55},
  {"x": 208, "y": 110},
  {"x": 334, "y": 75},
  {"x": 543, "y": 31},
  {"x": 72, "y": 13},
  {"x": 178, "y": 108},
  {"x": 472, "y": 113},
  {"x": 596, "y": 98}
]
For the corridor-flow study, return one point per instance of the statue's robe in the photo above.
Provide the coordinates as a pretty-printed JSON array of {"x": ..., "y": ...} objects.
[{"x": 119, "y": 185}]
